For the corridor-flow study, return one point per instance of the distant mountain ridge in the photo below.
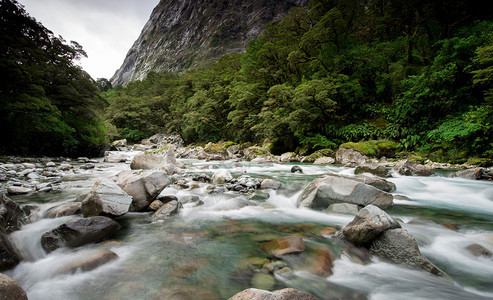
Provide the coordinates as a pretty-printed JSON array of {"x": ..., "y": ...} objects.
[{"x": 183, "y": 33}]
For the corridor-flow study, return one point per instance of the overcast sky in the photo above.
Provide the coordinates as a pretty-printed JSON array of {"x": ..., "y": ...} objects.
[{"x": 106, "y": 29}]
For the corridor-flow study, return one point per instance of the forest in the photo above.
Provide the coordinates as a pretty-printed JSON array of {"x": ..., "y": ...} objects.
[
  {"x": 415, "y": 72},
  {"x": 419, "y": 73}
]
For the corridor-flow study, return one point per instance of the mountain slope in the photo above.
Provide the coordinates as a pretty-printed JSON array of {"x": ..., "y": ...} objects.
[{"x": 185, "y": 33}]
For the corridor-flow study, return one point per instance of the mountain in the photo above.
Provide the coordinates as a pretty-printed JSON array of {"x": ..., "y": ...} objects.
[{"x": 183, "y": 33}]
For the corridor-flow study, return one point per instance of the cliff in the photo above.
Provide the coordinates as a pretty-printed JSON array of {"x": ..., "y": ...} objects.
[{"x": 183, "y": 33}]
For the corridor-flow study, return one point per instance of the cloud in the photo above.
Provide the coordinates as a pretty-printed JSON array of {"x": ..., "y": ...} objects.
[{"x": 105, "y": 29}]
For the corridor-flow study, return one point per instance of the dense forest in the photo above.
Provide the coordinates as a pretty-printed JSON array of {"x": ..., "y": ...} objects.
[
  {"x": 48, "y": 105},
  {"x": 416, "y": 72},
  {"x": 419, "y": 73}
]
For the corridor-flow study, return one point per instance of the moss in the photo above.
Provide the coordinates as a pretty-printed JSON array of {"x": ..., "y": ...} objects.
[
  {"x": 158, "y": 150},
  {"x": 374, "y": 148},
  {"x": 480, "y": 162},
  {"x": 228, "y": 144},
  {"x": 213, "y": 148},
  {"x": 327, "y": 152},
  {"x": 313, "y": 156}
]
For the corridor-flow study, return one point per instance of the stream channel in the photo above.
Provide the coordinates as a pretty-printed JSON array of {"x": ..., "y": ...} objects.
[{"x": 205, "y": 252}]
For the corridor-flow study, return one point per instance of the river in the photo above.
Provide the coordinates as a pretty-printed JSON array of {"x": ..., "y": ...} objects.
[{"x": 204, "y": 251}]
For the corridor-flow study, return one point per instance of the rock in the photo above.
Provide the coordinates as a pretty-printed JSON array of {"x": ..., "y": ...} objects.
[
  {"x": 325, "y": 160},
  {"x": 162, "y": 139},
  {"x": 166, "y": 198},
  {"x": 65, "y": 167},
  {"x": 78, "y": 233},
  {"x": 90, "y": 260},
  {"x": 322, "y": 192},
  {"x": 167, "y": 210},
  {"x": 202, "y": 178},
  {"x": 410, "y": 168},
  {"x": 323, "y": 262},
  {"x": 270, "y": 184},
  {"x": 375, "y": 170},
  {"x": 376, "y": 182},
  {"x": 350, "y": 157},
  {"x": 474, "y": 174},
  {"x": 296, "y": 169},
  {"x": 66, "y": 209},
  {"x": 263, "y": 281},
  {"x": 478, "y": 250},
  {"x": 274, "y": 266},
  {"x": 370, "y": 222},
  {"x": 18, "y": 190},
  {"x": 119, "y": 145},
  {"x": 9, "y": 256},
  {"x": 10, "y": 289},
  {"x": 143, "y": 186},
  {"x": 153, "y": 161},
  {"x": 399, "y": 247},
  {"x": 293, "y": 244},
  {"x": 83, "y": 159},
  {"x": 221, "y": 177},
  {"x": 327, "y": 231},
  {"x": 185, "y": 292},
  {"x": 11, "y": 215},
  {"x": 116, "y": 158},
  {"x": 155, "y": 205},
  {"x": 284, "y": 294},
  {"x": 343, "y": 208},
  {"x": 289, "y": 157},
  {"x": 88, "y": 166},
  {"x": 29, "y": 165},
  {"x": 106, "y": 197}
]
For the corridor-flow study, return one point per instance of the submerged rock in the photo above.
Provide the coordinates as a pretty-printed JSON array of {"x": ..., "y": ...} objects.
[
  {"x": 293, "y": 244},
  {"x": 284, "y": 294},
  {"x": 90, "y": 260},
  {"x": 10, "y": 289},
  {"x": 105, "y": 197},
  {"x": 78, "y": 233},
  {"x": 143, "y": 186},
  {"x": 66, "y": 209},
  {"x": 399, "y": 247},
  {"x": 369, "y": 223},
  {"x": 343, "y": 208},
  {"x": 478, "y": 250},
  {"x": 322, "y": 192}
]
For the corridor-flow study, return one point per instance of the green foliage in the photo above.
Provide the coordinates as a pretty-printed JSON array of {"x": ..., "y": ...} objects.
[
  {"x": 48, "y": 105},
  {"x": 336, "y": 72}
]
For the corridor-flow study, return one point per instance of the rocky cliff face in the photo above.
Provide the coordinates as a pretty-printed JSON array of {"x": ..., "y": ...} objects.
[{"x": 184, "y": 33}]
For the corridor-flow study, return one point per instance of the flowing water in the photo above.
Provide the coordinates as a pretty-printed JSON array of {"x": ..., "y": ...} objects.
[{"x": 204, "y": 252}]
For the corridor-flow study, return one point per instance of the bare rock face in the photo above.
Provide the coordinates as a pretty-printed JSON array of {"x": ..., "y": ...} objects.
[
  {"x": 183, "y": 33},
  {"x": 322, "y": 192},
  {"x": 284, "y": 294},
  {"x": 10, "y": 289}
]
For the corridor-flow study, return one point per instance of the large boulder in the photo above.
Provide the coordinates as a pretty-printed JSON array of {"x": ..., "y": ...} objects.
[
  {"x": 474, "y": 173},
  {"x": 375, "y": 182},
  {"x": 322, "y": 192},
  {"x": 11, "y": 215},
  {"x": 369, "y": 223},
  {"x": 350, "y": 157},
  {"x": 10, "y": 289},
  {"x": 78, "y": 233},
  {"x": 399, "y": 247},
  {"x": 106, "y": 197},
  {"x": 143, "y": 186},
  {"x": 151, "y": 161},
  {"x": 270, "y": 184},
  {"x": 284, "y": 294}
]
